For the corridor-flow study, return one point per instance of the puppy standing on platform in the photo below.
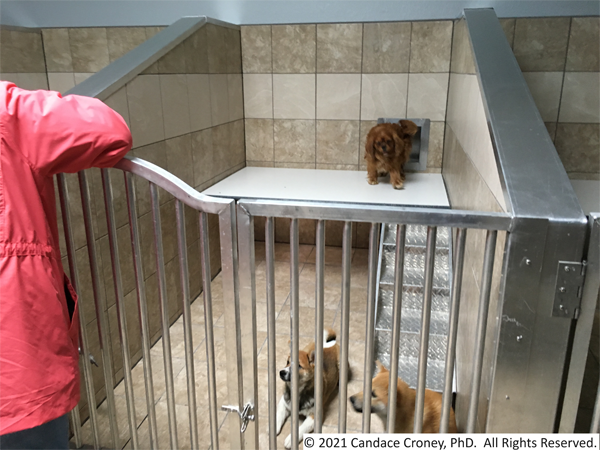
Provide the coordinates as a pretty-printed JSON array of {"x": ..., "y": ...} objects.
[
  {"x": 387, "y": 149},
  {"x": 306, "y": 384}
]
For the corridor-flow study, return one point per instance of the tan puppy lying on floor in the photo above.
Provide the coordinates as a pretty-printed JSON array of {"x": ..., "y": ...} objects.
[
  {"x": 306, "y": 383},
  {"x": 405, "y": 404}
]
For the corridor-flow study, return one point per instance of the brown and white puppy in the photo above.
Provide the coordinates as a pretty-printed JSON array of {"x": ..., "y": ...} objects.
[
  {"x": 306, "y": 384},
  {"x": 387, "y": 149},
  {"x": 405, "y": 404}
]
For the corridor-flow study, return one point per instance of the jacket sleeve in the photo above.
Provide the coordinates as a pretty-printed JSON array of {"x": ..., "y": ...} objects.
[{"x": 68, "y": 134}]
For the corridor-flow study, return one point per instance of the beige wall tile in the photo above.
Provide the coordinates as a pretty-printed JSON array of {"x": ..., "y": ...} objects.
[
  {"x": 584, "y": 45},
  {"x": 118, "y": 102},
  {"x": 541, "y": 44},
  {"x": 337, "y": 141},
  {"x": 580, "y": 101},
  {"x": 217, "y": 48},
  {"x": 174, "y": 61},
  {"x": 61, "y": 82},
  {"x": 365, "y": 127},
  {"x": 256, "y": 49},
  {"x": 203, "y": 156},
  {"x": 33, "y": 81},
  {"x": 545, "y": 87},
  {"x": 196, "y": 52},
  {"x": 89, "y": 49},
  {"x": 259, "y": 139},
  {"x": 199, "y": 99},
  {"x": 338, "y": 96},
  {"x": 551, "y": 127},
  {"x": 238, "y": 144},
  {"x": 258, "y": 96},
  {"x": 294, "y": 96},
  {"x": 259, "y": 163},
  {"x": 435, "y": 152},
  {"x": 430, "y": 46},
  {"x": 462, "y": 56},
  {"x": 122, "y": 40},
  {"x": 294, "y": 141},
  {"x": 21, "y": 52},
  {"x": 145, "y": 109},
  {"x": 294, "y": 48},
  {"x": 236, "y": 96},
  {"x": 427, "y": 93},
  {"x": 383, "y": 95},
  {"x": 179, "y": 158},
  {"x": 156, "y": 154},
  {"x": 219, "y": 99},
  {"x": 80, "y": 77},
  {"x": 293, "y": 165},
  {"x": 234, "y": 51},
  {"x": 386, "y": 47},
  {"x": 57, "y": 50},
  {"x": 152, "y": 31},
  {"x": 339, "y": 48},
  {"x": 221, "y": 141},
  {"x": 577, "y": 145},
  {"x": 337, "y": 167},
  {"x": 12, "y": 77},
  {"x": 508, "y": 26},
  {"x": 175, "y": 103}
]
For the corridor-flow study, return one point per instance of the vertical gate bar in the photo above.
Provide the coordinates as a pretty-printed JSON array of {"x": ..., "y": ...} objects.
[
  {"x": 164, "y": 311},
  {"x": 484, "y": 303},
  {"x": 425, "y": 320},
  {"x": 247, "y": 299},
  {"x": 271, "y": 315},
  {"x": 345, "y": 328},
  {"x": 187, "y": 324},
  {"x": 76, "y": 424},
  {"x": 120, "y": 304},
  {"x": 136, "y": 251},
  {"x": 209, "y": 331},
  {"x": 595, "y": 428},
  {"x": 101, "y": 314},
  {"x": 459, "y": 260},
  {"x": 229, "y": 273},
  {"x": 295, "y": 329},
  {"x": 319, "y": 323},
  {"x": 63, "y": 195},
  {"x": 396, "y": 320},
  {"x": 370, "y": 328}
]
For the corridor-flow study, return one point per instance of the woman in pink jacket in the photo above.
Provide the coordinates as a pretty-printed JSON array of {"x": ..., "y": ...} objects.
[{"x": 42, "y": 134}]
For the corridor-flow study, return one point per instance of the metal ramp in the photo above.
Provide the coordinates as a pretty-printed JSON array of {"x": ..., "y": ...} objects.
[{"x": 412, "y": 299}]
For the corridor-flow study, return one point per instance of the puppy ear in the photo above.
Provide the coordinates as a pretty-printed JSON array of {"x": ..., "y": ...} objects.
[
  {"x": 409, "y": 127},
  {"x": 311, "y": 357},
  {"x": 369, "y": 146},
  {"x": 380, "y": 367}
]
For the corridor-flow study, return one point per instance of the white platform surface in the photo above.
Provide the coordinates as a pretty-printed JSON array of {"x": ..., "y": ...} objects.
[
  {"x": 420, "y": 189},
  {"x": 588, "y": 193}
]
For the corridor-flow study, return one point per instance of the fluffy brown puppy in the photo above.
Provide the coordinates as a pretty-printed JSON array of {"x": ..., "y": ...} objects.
[
  {"x": 388, "y": 148},
  {"x": 405, "y": 404}
]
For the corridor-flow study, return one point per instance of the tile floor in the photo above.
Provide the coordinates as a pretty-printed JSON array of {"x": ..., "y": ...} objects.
[{"x": 333, "y": 270}]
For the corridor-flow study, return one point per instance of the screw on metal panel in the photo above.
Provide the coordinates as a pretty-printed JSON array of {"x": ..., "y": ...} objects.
[
  {"x": 528, "y": 261},
  {"x": 507, "y": 397},
  {"x": 567, "y": 268},
  {"x": 519, "y": 338},
  {"x": 561, "y": 307},
  {"x": 562, "y": 289}
]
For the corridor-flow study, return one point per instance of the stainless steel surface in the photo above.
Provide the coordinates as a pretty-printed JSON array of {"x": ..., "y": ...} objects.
[
  {"x": 295, "y": 329},
  {"x": 136, "y": 250},
  {"x": 229, "y": 275},
  {"x": 420, "y": 143},
  {"x": 117, "y": 74},
  {"x": 370, "y": 326},
  {"x": 164, "y": 314},
  {"x": 319, "y": 316},
  {"x": 345, "y": 328},
  {"x": 84, "y": 345},
  {"x": 595, "y": 428},
  {"x": 209, "y": 332},
  {"x": 120, "y": 304},
  {"x": 396, "y": 320},
  {"x": 173, "y": 185},
  {"x": 271, "y": 316},
  {"x": 101, "y": 314},
  {"x": 583, "y": 331},
  {"x": 424, "y": 340},
  {"x": 187, "y": 324},
  {"x": 453, "y": 329},
  {"x": 377, "y": 213},
  {"x": 247, "y": 305},
  {"x": 482, "y": 318},
  {"x": 568, "y": 289}
]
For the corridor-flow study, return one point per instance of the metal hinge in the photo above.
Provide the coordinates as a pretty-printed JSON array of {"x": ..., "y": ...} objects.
[
  {"x": 246, "y": 414},
  {"x": 568, "y": 289}
]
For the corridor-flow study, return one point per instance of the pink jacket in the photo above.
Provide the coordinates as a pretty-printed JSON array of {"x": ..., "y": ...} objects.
[{"x": 42, "y": 134}]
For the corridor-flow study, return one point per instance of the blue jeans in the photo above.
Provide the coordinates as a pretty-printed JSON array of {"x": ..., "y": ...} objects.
[{"x": 48, "y": 436}]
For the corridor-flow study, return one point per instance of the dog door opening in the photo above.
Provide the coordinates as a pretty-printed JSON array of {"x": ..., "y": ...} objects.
[{"x": 420, "y": 144}]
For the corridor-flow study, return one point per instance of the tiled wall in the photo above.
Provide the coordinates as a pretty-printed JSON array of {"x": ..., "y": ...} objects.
[
  {"x": 559, "y": 58},
  {"x": 22, "y": 58},
  {"x": 185, "y": 113}
]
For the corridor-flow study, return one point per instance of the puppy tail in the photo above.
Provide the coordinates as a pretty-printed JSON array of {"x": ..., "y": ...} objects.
[{"x": 329, "y": 338}]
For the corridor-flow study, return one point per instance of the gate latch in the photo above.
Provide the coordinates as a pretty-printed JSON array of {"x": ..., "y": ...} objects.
[
  {"x": 246, "y": 414},
  {"x": 568, "y": 289}
]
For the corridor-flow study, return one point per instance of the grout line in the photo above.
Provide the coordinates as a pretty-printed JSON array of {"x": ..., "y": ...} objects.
[{"x": 564, "y": 71}]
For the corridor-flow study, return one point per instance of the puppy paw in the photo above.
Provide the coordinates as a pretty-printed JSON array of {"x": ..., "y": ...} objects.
[
  {"x": 398, "y": 185},
  {"x": 288, "y": 441},
  {"x": 373, "y": 181}
]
